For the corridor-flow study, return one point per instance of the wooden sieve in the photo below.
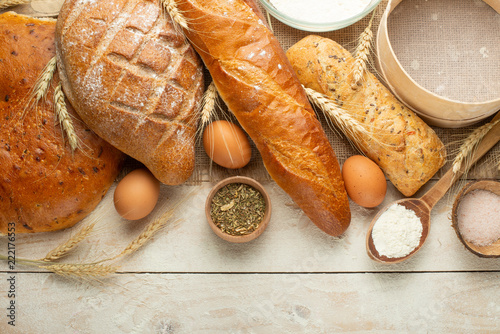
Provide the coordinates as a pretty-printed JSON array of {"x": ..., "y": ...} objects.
[{"x": 435, "y": 108}]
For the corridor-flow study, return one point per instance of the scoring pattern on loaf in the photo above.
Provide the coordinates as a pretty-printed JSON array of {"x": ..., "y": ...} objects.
[{"x": 134, "y": 80}]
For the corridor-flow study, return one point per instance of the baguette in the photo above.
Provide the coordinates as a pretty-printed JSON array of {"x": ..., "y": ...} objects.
[
  {"x": 44, "y": 185},
  {"x": 405, "y": 148},
  {"x": 133, "y": 79},
  {"x": 255, "y": 80}
]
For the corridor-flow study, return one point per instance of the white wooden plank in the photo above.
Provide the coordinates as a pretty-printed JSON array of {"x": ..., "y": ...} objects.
[
  {"x": 257, "y": 303},
  {"x": 290, "y": 244}
]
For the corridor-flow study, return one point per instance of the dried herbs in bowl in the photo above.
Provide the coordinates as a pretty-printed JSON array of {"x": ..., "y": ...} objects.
[{"x": 238, "y": 209}]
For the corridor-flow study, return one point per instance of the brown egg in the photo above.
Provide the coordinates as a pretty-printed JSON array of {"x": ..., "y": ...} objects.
[
  {"x": 227, "y": 145},
  {"x": 364, "y": 181},
  {"x": 136, "y": 194}
]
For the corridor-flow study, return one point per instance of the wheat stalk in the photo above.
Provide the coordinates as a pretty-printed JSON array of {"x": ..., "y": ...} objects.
[
  {"x": 208, "y": 104},
  {"x": 70, "y": 244},
  {"x": 470, "y": 143},
  {"x": 171, "y": 7},
  {"x": 62, "y": 115},
  {"x": 346, "y": 123},
  {"x": 81, "y": 270},
  {"x": 362, "y": 53},
  {"x": 268, "y": 16},
  {"x": 12, "y": 3}
]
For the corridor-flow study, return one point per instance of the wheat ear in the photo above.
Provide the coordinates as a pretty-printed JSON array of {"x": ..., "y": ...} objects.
[
  {"x": 81, "y": 270},
  {"x": 146, "y": 235},
  {"x": 62, "y": 115},
  {"x": 208, "y": 104},
  {"x": 171, "y": 7},
  {"x": 12, "y": 3},
  {"x": 70, "y": 244},
  {"x": 150, "y": 230},
  {"x": 467, "y": 148},
  {"x": 42, "y": 84},
  {"x": 346, "y": 123},
  {"x": 362, "y": 53}
]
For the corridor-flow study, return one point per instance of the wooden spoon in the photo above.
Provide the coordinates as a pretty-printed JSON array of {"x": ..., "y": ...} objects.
[{"x": 422, "y": 206}]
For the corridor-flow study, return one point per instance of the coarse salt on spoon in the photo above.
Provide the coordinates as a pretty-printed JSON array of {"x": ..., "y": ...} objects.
[
  {"x": 422, "y": 206},
  {"x": 490, "y": 250}
]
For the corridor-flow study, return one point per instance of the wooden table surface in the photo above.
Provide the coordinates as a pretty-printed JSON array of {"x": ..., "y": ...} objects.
[{"x": 292, "y": 279}]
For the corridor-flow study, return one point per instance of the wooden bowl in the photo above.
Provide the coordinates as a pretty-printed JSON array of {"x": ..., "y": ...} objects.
[
  {"x": 265, "y": 220},
  {"x": 492, "y": 250}
]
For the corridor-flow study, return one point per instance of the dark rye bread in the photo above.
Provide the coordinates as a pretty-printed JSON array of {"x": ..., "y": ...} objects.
[
  {"x": 406, "y": 149},
  {"x": 133, "y": 79},
  {"x": 44, "y": 186},
  {"x": 256, "y": 81}
]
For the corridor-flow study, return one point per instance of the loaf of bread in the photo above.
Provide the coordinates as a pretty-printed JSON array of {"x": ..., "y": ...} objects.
[
  {"x": 44, "y": 185},
  {"x": 406, "y": 149},
  {"x": 255, "y": 80},
  {"x": 133, "y": 79}
]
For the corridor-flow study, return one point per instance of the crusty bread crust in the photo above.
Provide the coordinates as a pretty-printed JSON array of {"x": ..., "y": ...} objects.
[
  {"x": 405, "y": 148},
  {"x": 44, "y": 186},
  {"x": 133, "y": 79},
  {"x": 256, "y": 81}
]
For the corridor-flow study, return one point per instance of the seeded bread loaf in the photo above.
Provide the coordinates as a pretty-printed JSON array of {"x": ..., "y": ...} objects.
[
  {"x": 255, "y": 80},
  {"x": 133, "y": 79},
  {"x": 44, "y": 186},
  {"x": 405, "y": 148}
]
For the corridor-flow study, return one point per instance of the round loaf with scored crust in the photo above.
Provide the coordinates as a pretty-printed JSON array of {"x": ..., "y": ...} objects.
[
  {"x": 44, "y": 186},
  {"x": 134, "y": 79}
]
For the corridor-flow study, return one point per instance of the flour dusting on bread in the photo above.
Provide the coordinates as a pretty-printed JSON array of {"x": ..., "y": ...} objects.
[{"x": 134, "y": 80}]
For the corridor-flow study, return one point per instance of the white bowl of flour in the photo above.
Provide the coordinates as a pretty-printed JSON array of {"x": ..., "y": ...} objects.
[{"x": 319, "y": 15}]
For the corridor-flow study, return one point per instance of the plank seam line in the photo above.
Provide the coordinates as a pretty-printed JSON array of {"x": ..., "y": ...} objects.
[{"x": 271, "y": 273}]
